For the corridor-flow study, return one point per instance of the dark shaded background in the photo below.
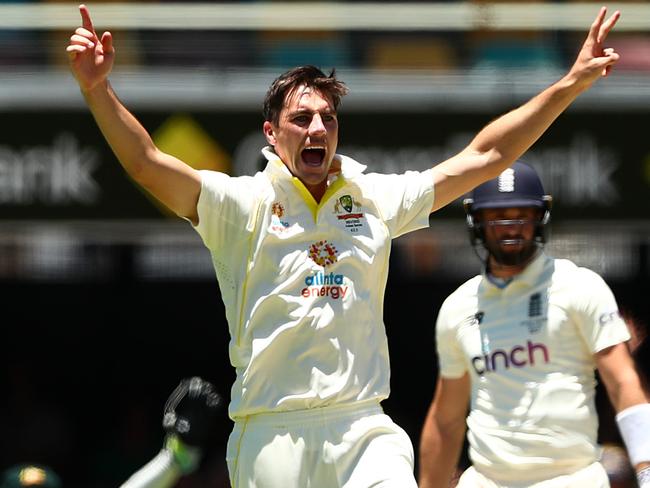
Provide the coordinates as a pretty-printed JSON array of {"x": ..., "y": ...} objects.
[{"x": 87, "y": 367}]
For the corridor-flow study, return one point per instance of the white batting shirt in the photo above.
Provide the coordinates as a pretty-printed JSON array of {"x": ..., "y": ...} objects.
[
  {"x": 303, "y": 283},
  {"x": 529, "y": 349}
]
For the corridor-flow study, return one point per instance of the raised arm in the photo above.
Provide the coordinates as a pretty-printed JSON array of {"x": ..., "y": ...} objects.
[
  {"x": 176, "y": 184},
  {"x": 505, "y": 139},
  {"x": 443, "y": 433}
]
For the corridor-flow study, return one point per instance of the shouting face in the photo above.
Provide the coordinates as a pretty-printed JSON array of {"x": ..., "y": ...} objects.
[{"x": 305, "y": 137}]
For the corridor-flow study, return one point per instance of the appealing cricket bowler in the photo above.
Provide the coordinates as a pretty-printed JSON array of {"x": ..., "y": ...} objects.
[{"x": 301, "y": 252}]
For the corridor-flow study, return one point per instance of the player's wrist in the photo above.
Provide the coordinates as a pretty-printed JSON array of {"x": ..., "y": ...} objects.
[
  {"x": 634, "y": 426},
  {"x": 92, "y": 90},
  {"x": 186, "y": 457}
]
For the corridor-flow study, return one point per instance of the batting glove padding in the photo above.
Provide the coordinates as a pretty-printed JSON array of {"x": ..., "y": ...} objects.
[{"x": 191, "y": 411}]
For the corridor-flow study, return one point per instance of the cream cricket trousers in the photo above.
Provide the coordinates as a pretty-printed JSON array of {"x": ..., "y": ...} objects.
[
  {"x": 592, "y": 476},
  {"x": 352, "y": 446}
]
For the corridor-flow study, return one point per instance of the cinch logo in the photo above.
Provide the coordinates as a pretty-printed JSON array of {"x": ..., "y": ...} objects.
[
  {"x": 608, "y": 317},
  {"x": 518, "y": 357}
]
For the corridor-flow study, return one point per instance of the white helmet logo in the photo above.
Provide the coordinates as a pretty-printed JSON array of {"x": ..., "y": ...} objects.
[{"x": 506, "y": 181}]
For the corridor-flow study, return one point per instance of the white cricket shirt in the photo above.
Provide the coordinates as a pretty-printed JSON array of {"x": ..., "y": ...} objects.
[
  {"x": 529, "y": 349},
  {"x": 303, "y": 283}
]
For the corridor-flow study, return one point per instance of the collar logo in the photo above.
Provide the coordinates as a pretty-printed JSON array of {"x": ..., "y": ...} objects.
[{"x": 323, "y": 253}]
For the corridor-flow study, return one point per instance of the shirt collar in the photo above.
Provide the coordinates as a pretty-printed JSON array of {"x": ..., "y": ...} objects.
[
  {"x": 528, "y": 277},
  {"x": 349, "y": 167}
]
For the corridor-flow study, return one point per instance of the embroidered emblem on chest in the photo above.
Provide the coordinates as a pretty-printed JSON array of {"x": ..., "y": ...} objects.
[
  {"x": 536, "y": 313},
  {"x": 277, "y": 212},
  {"x": 347, "y": 209},
  {"x": 323, "y": 253}
]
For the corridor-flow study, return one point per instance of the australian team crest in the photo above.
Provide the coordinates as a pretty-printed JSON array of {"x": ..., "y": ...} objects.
[{"x": 347, "y": 209}]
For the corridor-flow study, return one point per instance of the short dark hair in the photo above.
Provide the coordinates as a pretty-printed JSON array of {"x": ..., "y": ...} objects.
[{"x": 309, "y": 76}]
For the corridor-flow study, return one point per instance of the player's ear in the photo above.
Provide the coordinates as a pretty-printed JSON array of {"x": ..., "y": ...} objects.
[{"x": 269, "y": 132}]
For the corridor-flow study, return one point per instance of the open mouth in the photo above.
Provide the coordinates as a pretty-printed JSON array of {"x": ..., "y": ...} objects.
[{"x": 313, "y": 156}]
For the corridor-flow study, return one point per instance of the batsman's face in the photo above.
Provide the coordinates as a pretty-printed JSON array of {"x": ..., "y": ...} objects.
[
  {"x": 510, "y": 233},
  {"x": 305, "y": 137}
]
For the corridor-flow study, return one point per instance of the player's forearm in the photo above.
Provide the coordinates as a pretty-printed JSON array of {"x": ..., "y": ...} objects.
[
  {"x": 129, "y": 140},
  {"x": 439, "y": 455},
  {"x": 161, "y": 472},
  {"x": 508, "y": 137},
  {"x": 620, "y": 377}
]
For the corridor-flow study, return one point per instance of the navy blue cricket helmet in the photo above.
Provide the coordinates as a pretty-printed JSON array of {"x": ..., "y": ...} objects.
[{"x": 517, "y": 186}]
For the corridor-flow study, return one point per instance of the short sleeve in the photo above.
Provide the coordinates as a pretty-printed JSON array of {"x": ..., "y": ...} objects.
[
  {"x": 596, "y": 313},
  {"x": 224, "y": 208},
  {"x": 451, "y": 361},
  {"x": 404, "y": 200}
]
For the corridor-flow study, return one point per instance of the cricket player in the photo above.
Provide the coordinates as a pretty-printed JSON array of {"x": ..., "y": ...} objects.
[
  {"x": 519, "y": 345},
  {"x": 301, "y": 252}
]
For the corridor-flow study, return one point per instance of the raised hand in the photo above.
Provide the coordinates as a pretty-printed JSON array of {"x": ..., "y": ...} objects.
[
  {"x": 594, "y": 60},
  {"x": 91, "y": 58}
]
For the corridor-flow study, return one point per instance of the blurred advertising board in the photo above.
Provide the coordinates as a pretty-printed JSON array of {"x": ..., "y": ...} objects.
[{"x": 56, "y": 165}]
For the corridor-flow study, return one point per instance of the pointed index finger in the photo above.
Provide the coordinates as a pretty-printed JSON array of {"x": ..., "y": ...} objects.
[
  {"x": 86, "y": 22},
  {"x": 595, "y": 26}
]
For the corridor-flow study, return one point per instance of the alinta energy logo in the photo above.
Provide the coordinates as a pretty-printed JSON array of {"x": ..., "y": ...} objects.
[{"x": 321, "y": 283}]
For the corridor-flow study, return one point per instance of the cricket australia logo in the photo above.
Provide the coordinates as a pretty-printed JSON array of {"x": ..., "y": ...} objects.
[
  {"x": 277, "y": 212},
  {"x": 347, "y": 209},
  {"x": 321, "y": 283}
]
